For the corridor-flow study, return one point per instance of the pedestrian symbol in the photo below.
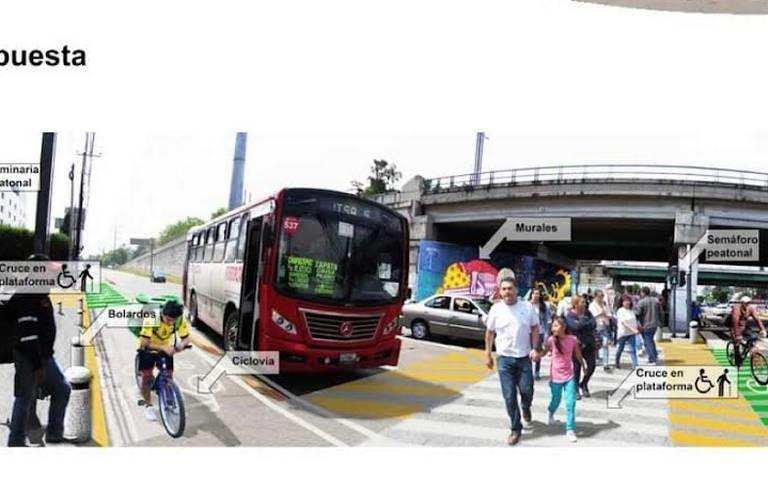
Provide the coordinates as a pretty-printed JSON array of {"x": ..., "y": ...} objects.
[{"x": 722, "y": 381}]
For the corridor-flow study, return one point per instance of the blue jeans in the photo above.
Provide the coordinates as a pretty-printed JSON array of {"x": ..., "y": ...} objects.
[
  {"x": 650, "y": 344},
  {"x": 632, "y": 352},
  {"x": 604, "y": 351},
  {"x": 25, "y": 392},
  {"x": 570, "y": 401},
  {"x": 516, "y": 374}
]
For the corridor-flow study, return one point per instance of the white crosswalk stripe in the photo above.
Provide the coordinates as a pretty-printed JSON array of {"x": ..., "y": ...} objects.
[{"x": 477, "y": 417}]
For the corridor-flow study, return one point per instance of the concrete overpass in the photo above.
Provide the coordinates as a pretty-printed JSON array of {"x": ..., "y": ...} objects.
[{"x": 618, "y": 212}]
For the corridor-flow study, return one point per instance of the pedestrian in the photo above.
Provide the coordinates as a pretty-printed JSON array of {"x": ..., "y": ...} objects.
[
  {"x": 603, "y": 315},
  {"x": 648, "y": 312},
  {"x": 514, "y": 328},
  {"x": 628, "y": 328},
  {"x": 544, "y": 313},
  {"x": 563, "y": 306},
  {"x": 580, "y": 323},
  {"x": 565, "y": 352},
  {"x": 35, "y": 365}
]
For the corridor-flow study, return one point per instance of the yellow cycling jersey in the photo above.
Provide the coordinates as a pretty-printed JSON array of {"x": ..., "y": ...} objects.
[{"x": 161, "y": 333}]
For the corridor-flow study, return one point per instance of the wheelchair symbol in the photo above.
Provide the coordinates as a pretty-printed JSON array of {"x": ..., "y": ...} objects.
[
  {"x": 703, "y": 381},
  {"x": 65, "y": 278}
]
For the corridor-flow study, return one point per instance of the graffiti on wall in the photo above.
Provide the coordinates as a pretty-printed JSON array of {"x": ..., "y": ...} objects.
[{"x": 450, "y": 268}]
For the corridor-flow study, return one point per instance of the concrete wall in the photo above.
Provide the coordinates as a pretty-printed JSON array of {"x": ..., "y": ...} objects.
[{"x": 168, "y": 258}]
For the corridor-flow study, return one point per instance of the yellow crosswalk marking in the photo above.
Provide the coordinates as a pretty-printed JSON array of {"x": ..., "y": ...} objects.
[
  {"x": 723, "y": 426},
  {"x": 396, "y": 389},
  {"x": 681, "y": 438},
  {"x": 705, "y": 406},
  {"x": 366, "y": 408},
  {"x": 441, "y": 377}
]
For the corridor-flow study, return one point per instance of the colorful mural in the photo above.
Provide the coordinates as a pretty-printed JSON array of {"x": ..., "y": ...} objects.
[{"x": 451, "y": 268}]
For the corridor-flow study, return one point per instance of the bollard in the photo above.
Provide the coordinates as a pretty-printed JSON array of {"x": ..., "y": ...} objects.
[
  {"x": 693, "y": 332},
  {"x": 77, "y": 421},
  {"x": 77, "y": 352},
  {"x": 80, "y": 312},
  {"x": 61, "y": 308}
]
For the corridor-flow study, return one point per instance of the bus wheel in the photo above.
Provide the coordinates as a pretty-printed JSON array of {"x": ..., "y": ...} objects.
[
  {"x": 231, "y": 332},
  {"x": 193, "y": 317},
  {"x": 419, "y": 329}
]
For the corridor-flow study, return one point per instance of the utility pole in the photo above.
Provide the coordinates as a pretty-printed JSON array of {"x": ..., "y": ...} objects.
[
  {"x": 42, "y": 216},
  {"x": 478, "y": 157},
  {"x": 71, "y": 212},
  {"x": 87, "y": 154}
]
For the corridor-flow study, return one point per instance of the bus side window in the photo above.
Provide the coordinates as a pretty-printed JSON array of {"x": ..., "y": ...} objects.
[
  {"x": 210, "y": 239},
  {"x": 230, "y": 254},
  {"x": 193, "y": 247},
  {"x": 241, "y": 240},
  {"x": 221, "y": 242}
]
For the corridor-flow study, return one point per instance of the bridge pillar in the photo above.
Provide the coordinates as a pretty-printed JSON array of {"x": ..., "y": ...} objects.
[
  {"x": 422, "y": 228},
  {"x": 690, "y": 226}
]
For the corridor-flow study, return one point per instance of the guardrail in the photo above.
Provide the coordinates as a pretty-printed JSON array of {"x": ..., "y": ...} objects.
[{"x": 607, "y": 173}]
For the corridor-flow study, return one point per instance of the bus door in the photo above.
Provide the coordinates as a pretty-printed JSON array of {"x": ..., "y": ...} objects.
[{"x": 249, "y": 297}]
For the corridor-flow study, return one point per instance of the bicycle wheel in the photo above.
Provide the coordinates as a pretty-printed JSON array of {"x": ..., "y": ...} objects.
[
  {"x": 759, "y": 367},
  {"x": 172, "y": 408},
  {"x": 730, "y": 353}
]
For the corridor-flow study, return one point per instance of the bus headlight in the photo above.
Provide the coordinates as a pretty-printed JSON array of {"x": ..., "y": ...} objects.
[
  {"x": 391, "y": 326},
  {"x": 283, "y": 323}
]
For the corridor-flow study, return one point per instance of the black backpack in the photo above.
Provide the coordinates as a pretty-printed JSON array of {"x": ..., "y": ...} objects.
[{"x": 7, "y": 335}]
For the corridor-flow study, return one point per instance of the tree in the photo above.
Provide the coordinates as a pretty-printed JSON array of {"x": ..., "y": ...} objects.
[
  {"x": 218, "y": 212},
  {"x": 140, "y": 250},
  {"x": 383, "y": 179},
  {"x": 722, "y": 294},
  {"x": 178, "y": 229}
]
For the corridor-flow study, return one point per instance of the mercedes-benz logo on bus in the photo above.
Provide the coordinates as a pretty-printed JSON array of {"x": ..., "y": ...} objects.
[{"x": 345, "y": 329}]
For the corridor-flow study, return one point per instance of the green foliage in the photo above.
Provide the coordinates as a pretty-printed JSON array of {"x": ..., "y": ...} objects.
[
  {"x": 382, "y": 180},
  {"x": 16, "y": 244},
  {"x": 722, "y": 294},
  {"x": 218, "y": 212},
  {"x": 178, "y": 229},
  {"x": 117, "y": 256}
]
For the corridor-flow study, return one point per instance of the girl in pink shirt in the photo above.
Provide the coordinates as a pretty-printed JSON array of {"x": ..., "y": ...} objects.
[{"x": 564, "y": 348}]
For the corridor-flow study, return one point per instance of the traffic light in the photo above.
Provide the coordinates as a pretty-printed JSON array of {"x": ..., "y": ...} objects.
[{"x": 681, "y": 281}]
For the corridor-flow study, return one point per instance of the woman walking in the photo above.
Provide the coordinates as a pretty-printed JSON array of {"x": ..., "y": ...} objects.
[
  {"x": 544, "y": 312},
  {"x": 580, "y": 323},
  {"x": 603, "y": 315},
  {"x": 628, "y": 330},
  {"x": 565, "y": 353}
]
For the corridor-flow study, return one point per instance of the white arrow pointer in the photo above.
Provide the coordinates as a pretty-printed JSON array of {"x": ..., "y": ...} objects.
[
  {"x": 499, "y": 236},
  {"x": 617, "y": 396},
  {"x": 131, "y": 315},
  {"x": 240, "y": 363}
]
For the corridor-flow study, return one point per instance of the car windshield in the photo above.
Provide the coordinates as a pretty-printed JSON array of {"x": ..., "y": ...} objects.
[
  {"x": 483, "y": 304},
  {"x": 339, "y": 250}
]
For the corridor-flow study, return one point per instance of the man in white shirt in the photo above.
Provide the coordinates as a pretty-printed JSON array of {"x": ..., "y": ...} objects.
[{"x": 514, "y": 327}]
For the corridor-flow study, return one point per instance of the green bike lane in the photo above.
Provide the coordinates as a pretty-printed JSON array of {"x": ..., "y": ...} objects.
[{"x": 753, "y": 392}]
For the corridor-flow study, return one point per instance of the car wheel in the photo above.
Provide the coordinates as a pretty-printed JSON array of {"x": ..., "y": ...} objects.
[
  {"x": 231, "y": 332},
  {"x": 419, "y": 329},
  {"x": 193, "y": 316}
]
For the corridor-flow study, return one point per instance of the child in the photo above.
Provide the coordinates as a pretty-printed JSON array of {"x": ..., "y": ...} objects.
[{"x": 564, "y": 348}]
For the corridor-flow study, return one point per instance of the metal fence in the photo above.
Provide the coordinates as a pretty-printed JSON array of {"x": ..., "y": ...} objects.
[{"x": 607, "y": 173}]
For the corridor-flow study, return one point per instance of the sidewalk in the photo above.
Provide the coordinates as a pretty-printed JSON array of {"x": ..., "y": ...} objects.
[{"x": 67, "y": 328}]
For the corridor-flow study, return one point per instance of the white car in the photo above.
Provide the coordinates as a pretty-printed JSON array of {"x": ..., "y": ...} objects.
[{"x": 459, "y": 316}]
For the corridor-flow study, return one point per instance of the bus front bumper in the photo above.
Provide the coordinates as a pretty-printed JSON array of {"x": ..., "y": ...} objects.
[{"x": 301, "y": 358}]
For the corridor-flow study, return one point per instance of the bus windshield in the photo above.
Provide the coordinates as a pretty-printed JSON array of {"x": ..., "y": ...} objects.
[{"x": 339, "y": 250}]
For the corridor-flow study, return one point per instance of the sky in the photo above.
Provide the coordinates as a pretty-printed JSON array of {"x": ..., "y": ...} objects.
[
  {"x": 144, "y": 181},
  {"x": 323, "y": 89}
]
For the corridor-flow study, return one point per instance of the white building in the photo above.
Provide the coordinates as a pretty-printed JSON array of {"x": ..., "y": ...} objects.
[{"x": 12, "y": 209}]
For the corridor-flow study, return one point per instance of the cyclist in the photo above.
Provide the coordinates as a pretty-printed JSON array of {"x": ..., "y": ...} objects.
[
  {"x": 158, "y": 340},
  {"x": 740, "y": 314}
]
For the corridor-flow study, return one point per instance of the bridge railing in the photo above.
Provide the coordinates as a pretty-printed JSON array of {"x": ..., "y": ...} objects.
[{"x": 606, "y": 173}]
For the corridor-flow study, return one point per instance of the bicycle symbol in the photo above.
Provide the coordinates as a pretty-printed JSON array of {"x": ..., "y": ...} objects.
[{"x": 65, "y": 278}]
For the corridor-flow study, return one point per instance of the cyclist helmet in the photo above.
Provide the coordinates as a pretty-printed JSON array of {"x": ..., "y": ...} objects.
[
  {"x": 746, "y": 299},
  {"x": 172, "y": 309}
]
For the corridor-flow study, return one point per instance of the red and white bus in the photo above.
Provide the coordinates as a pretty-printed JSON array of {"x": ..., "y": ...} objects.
[{"x": 318, "y": 275}]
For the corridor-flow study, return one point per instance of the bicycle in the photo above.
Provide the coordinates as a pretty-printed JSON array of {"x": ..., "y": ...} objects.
[
  {"x": 169, "y": 397},
  {"x": 737, "y": 352}
]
